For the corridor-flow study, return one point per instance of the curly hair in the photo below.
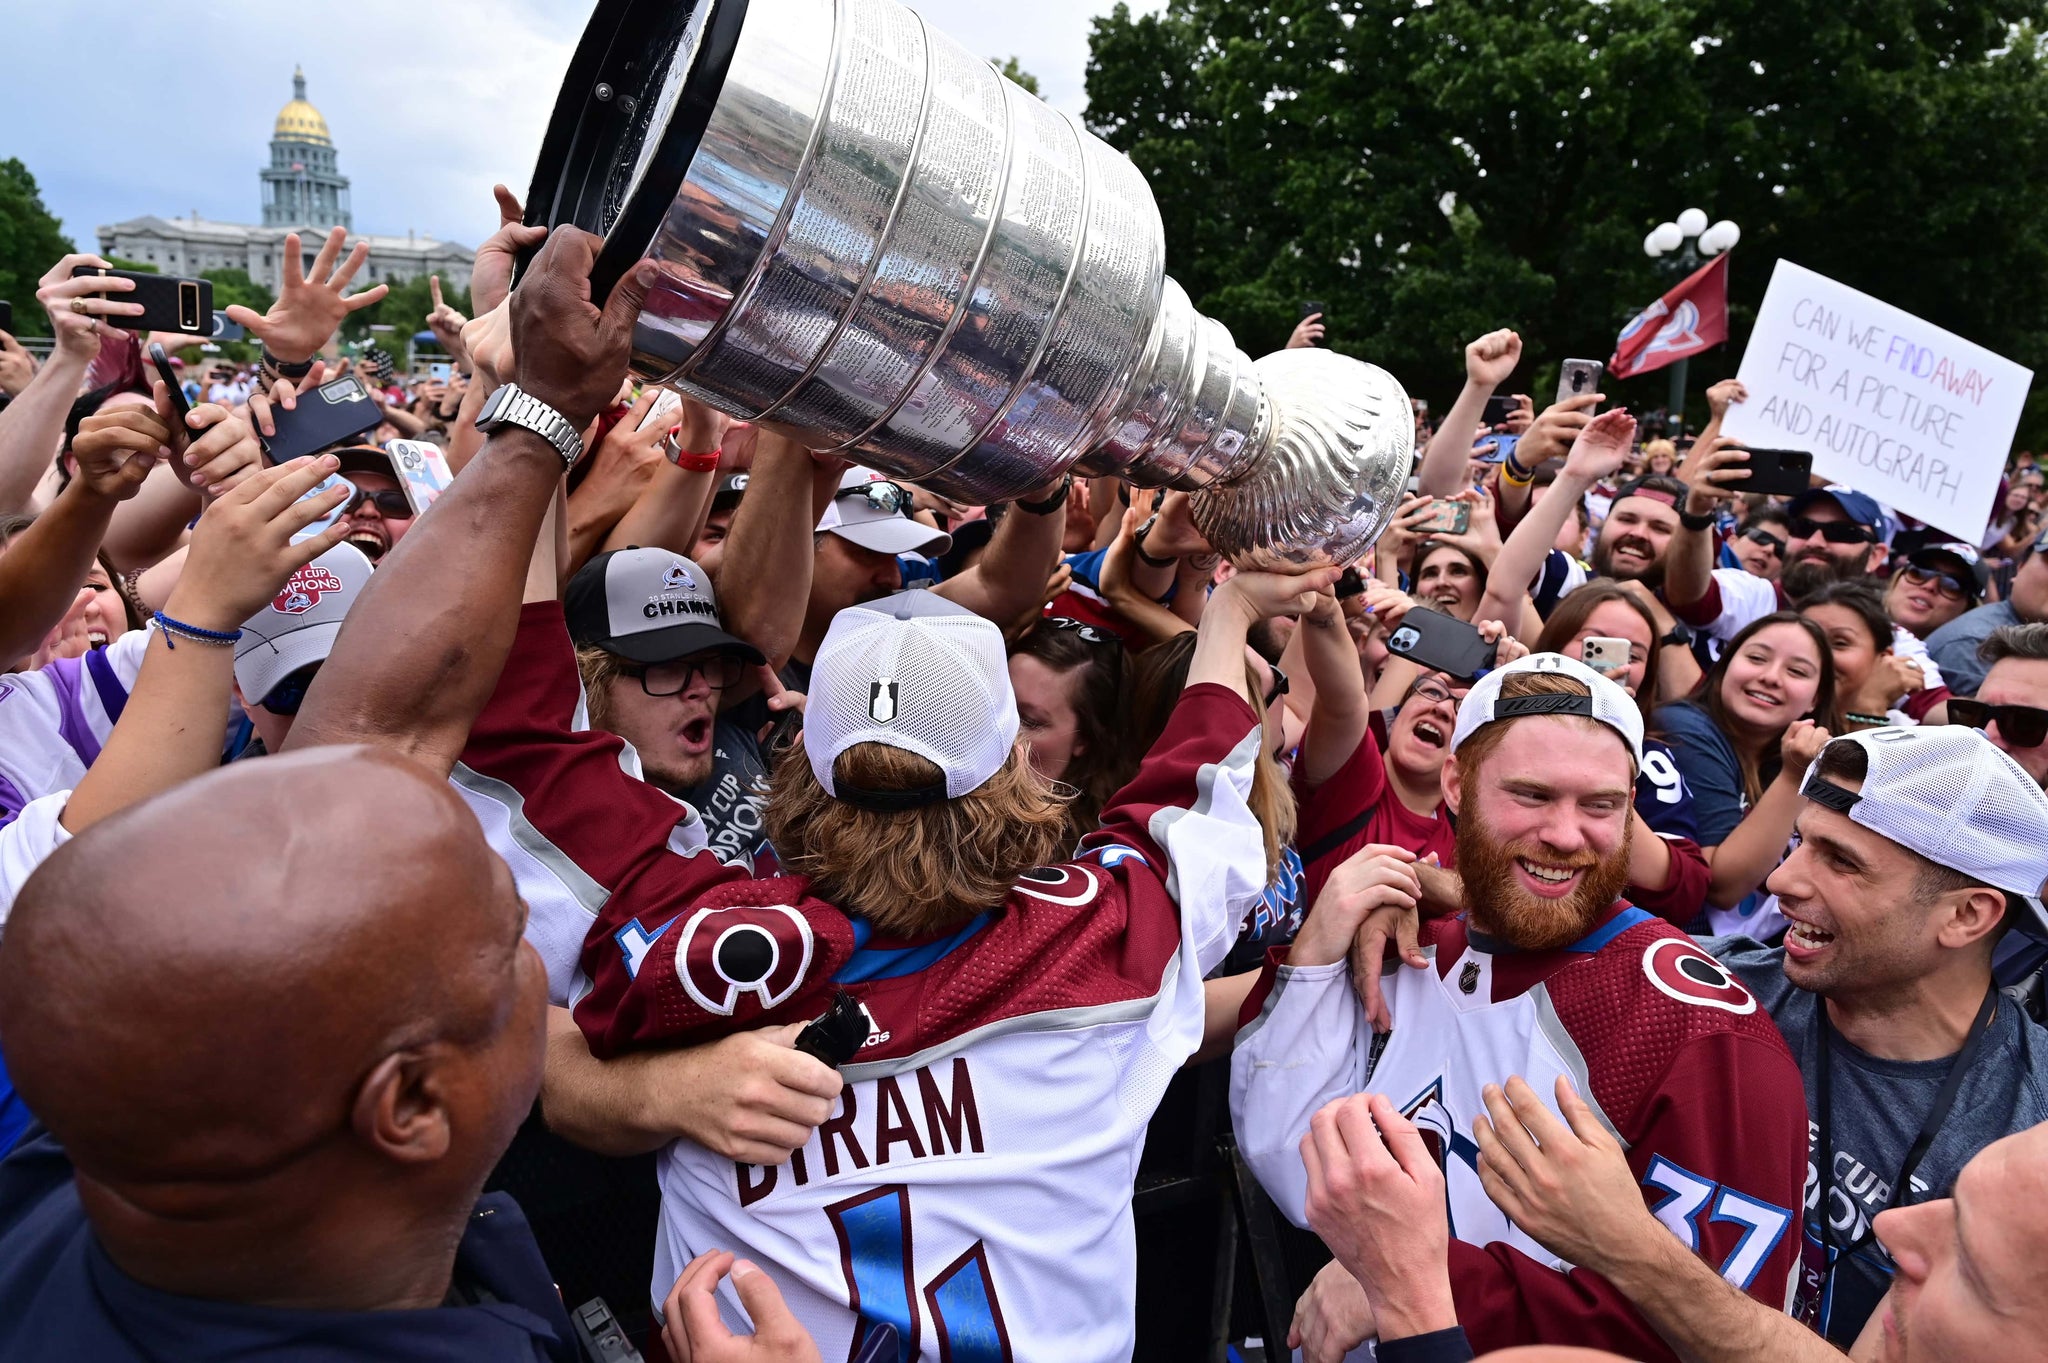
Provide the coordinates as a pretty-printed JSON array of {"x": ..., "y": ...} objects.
[{"x": 916, "y": 870}]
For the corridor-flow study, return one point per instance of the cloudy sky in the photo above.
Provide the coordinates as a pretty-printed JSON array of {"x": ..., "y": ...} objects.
[{"x": 124, "y": 110}]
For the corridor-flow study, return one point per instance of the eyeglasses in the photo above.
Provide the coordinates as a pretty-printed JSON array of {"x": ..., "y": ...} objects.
[
  {"x": 1435, "y": 692},
  {"x": 287, "y": 696},
  {"x": 1278, "y": 690},
  {"x": 891, "y": 499},
  {"x": 1089, "y": 634},
  {"x": 1834, "y": 532},
  {"x": 1947, "y": 583},
  {"x": 2023, "y": 726},
  {"x": 390, "y": 502},
  {"x": 1766, "y": 539},
  {"x": 719, "y": 670}
]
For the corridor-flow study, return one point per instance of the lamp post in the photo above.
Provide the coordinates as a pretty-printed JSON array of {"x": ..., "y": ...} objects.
[{"x": 1680, "y": 247}]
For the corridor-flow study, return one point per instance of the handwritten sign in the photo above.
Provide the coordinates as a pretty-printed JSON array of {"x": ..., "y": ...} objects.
[{"x": 1892, "y": 406}]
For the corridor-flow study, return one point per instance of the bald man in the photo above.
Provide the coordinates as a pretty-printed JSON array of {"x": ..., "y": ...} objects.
[{"x": 272, "y": 1091}]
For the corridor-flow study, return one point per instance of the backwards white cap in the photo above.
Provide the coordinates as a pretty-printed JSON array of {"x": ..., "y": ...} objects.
[
  {"x": 1946, "y": 792},
  {"x": 917, "y": 672},
  {"x": 1604, "y": 701}
]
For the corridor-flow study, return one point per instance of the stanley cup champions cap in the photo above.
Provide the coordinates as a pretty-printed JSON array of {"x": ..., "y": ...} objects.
[
  {"x": 298, "y": 627},
  {"x": 648, "y": 606},
  {"x": 917, "y": 672},
  {"x": 1604, "y": 701},
  {"x": 1946, "y": 792}
]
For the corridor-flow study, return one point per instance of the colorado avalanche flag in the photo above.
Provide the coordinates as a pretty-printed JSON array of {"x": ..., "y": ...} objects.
[{"x": 1685, "y": 321}]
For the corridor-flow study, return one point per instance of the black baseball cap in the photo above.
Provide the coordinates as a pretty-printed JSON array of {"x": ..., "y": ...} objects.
[{"x": 648, "y": 606}]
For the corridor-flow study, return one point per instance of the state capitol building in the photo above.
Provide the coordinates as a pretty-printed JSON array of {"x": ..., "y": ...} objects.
[{"x": 303, "y": 191}]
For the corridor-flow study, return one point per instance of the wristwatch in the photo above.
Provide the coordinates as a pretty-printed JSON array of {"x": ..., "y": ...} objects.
[
  {"x": 1680, "y": 635},
  {"x": 511, "y": 405}
]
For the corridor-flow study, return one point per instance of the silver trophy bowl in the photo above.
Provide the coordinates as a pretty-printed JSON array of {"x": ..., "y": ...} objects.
[{"x": 870, "y": 238}]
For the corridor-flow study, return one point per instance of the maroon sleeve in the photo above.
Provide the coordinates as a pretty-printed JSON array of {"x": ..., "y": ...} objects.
[
  {"x": 1684, "y": 892},
  {"x": 1720, "y": 1147},
  {"x": 1920, "y": 702},
  {"x": 1701, "y": 613}
]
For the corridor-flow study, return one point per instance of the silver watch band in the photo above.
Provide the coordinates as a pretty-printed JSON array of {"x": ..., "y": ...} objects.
[{"x": 512, "y": 405}]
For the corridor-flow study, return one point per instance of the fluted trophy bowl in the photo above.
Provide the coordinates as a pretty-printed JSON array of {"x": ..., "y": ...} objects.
[{"x": 870, "y": 238}]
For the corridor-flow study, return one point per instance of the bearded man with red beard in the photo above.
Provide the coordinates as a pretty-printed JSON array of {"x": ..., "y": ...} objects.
[{"x": 1549, "y": 976}]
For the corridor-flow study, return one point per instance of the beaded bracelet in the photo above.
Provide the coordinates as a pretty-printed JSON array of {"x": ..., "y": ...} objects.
[
  {"x": 213, "y": 637},
  {"x": 1855, "y": 718}
]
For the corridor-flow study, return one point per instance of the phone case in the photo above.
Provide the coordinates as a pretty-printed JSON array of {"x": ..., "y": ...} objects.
[
  {"x": 333, "y": 412},
  {"x": 169, "y": 303},
  {"x": 162, "y": 361},
  {"x": 1449, "y": 518},
  {"x": 331, "y": 480},
  {"x": 1441, "y": 643},
  {"x": 1579, "y": 377},
  {"x": 1778, "y": 473},
  {"x": 1606, "y": 659},
  {"x": 422, "y": 471}
]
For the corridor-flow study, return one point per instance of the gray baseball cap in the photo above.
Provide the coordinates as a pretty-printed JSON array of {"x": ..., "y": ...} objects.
[
  {"x": 648, "y": 606},
  {"x": 298, "y": 627}
]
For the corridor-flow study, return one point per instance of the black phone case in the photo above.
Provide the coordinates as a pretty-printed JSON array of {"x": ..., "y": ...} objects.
[
  {"x": 1779, "y": 473},
  {"x": 6, "y": 316},
  {"x": 837, "y": 1036},
  {"x": 333, "y": 412},
  {"x": 169, "y": 375},
  {"x": 1441, "y": 643},
  {"x": 169, "y": 303},
  {"x": 1498, "y": 409}
]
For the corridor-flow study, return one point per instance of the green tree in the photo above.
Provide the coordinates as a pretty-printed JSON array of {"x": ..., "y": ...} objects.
[
  {"x": 1008, "y": 67},
  {"x": 405, "y": 310},
  {"x": 132, "y": 266},
  {"x": 1432, "y": 171},
  {"x": 31, "y": 241}
]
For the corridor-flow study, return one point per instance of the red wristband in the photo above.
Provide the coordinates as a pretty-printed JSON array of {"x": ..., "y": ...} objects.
[{"x": 695, "y": 463}]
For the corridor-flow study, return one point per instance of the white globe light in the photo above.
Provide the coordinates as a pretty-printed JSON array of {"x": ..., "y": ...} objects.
[
  {"x": 1710, "y": 241},
  {"x": 1667, "y": 236},
  {"x": 1650, "y": 246},
  {"x": 1727, "y": 233},
  {"x": 1692, "y": 222}
]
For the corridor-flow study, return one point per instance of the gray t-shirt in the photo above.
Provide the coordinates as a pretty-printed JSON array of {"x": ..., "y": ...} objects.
[
  {"x": 734, "y": 798},
  {"x": 1879, "y": 1106}
]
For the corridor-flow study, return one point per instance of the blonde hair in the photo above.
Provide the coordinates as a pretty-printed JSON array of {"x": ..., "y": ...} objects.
[
  {"x": 915, "y": 870},
  {"x": 599, "y": 670}
]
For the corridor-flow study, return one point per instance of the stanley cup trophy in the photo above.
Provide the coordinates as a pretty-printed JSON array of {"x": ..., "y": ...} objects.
[{"x": 870, "y": 238}]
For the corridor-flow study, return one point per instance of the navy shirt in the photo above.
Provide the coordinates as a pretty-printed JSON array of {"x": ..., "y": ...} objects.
[{"x": 61, "y": 1297}]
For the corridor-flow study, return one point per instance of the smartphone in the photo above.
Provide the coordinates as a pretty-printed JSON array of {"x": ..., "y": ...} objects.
[
  {"x": 1579, "y": 377},
  {"x": 1350, "y": 583},
  {"x": 224, "y": 330},
  {"x": 1311, "y": 309},
  {"x": 169, "y": 375},
  {"x": 662, "y": 414},
  {"x": 440, "y": 370},
  {"x": 422, "y": 471},
  {"x": 1498, "y": 409},
  {"x": 168, "y": 302},
  {"x": 838, "y": 1035},
  {"x": 1778, "y": 473},
  {"x": 1446, "y": 517},
  {"x": 1607, "y": 656},
  {"x": 331, "y": 480},
  {"x": 6, "y": 316},
  {"x": 1441, "y": 643},
  {"x": 337, "y": 410},
  {"x": 600, "y": 1336}
]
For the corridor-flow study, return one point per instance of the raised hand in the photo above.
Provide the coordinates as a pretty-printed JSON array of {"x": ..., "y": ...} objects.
[
  {"x": 116, "y": 450},
  {"x": 1174, "y": 534},
  {"x": 1269, "y": 594},
  {"x": 75, "y": 306},
  {"x": 1723, "y": 395},
  {"x": 216, "y": 448},
  {"x": 1601, "y": 446},
  {"x": 17, "y": 366},
  {"x": 1308, "y": 333},
  {"x": 284, "y": 393},
  {"x": 1551, "y": 434},
  {"x": 446, "y": 323},
  {"x": 1490, "y": 359},
  {"x": 241, "y": 552},
  {"x": 490, "y": 276},
  {"x": 1713, "y": 472},
  {"x": 569, "y": 353},
  {"x": 1798, "y": 749},
  {"x": 311, "y": 306}
]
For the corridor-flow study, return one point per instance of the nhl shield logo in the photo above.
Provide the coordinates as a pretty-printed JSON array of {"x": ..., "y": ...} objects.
[
  {"x": 677, "y": 578},
  {"x": 882, "y": 701}
]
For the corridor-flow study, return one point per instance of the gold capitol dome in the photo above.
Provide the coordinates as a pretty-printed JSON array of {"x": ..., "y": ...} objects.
[{"x": 299, "y": 121}]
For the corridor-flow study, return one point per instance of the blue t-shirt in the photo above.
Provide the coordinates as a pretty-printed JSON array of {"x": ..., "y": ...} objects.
[
  {"x": 1662, "y": 796},
  {"x": 1879, "y": 1106},
  {"x": 1954, "y": 646},
  {"x": 61, "y": 1296}
]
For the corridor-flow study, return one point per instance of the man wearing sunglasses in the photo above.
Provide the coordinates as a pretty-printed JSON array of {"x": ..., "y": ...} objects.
[
  {"x": 2011, "y": 707},
  {"x": 379, "y": 514},
  {"x": 283, "y": 645},
  {"x": 1759, "y": 546},
  {"x": 1954, "y": 646}
]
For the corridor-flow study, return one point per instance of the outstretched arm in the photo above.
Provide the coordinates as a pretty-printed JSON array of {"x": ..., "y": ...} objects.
[
  {"x": 1597, "y": 452},
  {"x": 1008, "y": 580},
  {"x": 1488, "y": 362},
  {"x": 421, "y": 650}
]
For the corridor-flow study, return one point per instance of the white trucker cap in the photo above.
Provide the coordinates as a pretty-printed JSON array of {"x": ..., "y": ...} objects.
[
  {"x": 917, "y": 672},
  {"x": 874, "y": 513},
  {"x": 298, "y": 627},
  {"x": 1604, "y": 701},
  {"x": 1946, "y": 792}
]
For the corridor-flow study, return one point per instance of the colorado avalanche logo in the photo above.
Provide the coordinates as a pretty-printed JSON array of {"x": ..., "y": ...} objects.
[
  {"x": 1068, "y": 885},
  {"x": 304, "y": 590},
  {"x": 761, "y": 950},
  {"x": 1687, "y": 974},
  {"x": 676, "y": 577}
]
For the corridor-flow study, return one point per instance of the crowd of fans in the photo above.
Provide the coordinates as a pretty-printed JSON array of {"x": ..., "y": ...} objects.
[{"x": 1669, "y": 983}]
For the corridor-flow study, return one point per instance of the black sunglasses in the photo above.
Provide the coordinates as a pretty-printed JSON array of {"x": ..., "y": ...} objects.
[
  {"x": 287, "y": 696},
  {"x": 673, "y": 678},
  {"x": 1089, "y": 633},
  {"x": 1278, "y": 690},
  {"x": 891, "y": 499},
  {"x": 2023, "y": 726},
  {"x": 1765, "y": 538},
  {"x": 390, "y": 502},
  {"x": 1948, "y": 583},
  {"x": 1834, "y": 532}
]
